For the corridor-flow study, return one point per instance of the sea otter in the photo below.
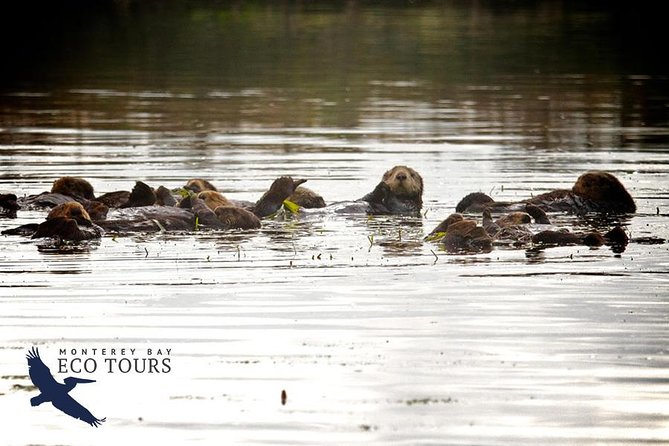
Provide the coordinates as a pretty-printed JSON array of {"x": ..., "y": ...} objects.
[
  {"x": 8, "y": 205},
  {"x": 73, "y": 187},
  {"x": 513, "y": 228},
  {"x": 213, "y": 199},
  {"x": 114, "y": 199},
  {"x": 198, "y": 185},
  {"x": 164, "y": 197},
  {"x": 222, "y": 217},
  {"x": 71, "y": 210},
  {"x": 194, "y": 213},
  {"x": 63, "y": 190},
  {"x": 594, "y": 191},
  {"x": 67, "y": 221},
  {"x": 141, "y": 195},
  {"x": 460, "y": 235},
  {"x": 399, "y": 192},
  {"x": 233, "y": 217},
  {"x": 191, "y": 214},
  {"x": 272, "y": 200},
  {"x": 464, "y": 235},
  {"x": 307, "y": 198}
]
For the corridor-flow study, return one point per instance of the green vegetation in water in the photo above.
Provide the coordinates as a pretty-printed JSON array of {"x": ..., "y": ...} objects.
[
  {"x": 291, "y": 207},
  {"x": 435, "y": 237},
  {"x": 183, "y": 192}
]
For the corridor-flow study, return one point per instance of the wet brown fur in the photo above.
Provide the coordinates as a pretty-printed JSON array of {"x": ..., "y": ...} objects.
[
  {"x": 514, "y": 219},
  {"x": 71, "y": 210},
  {"x": 307, "y": 198},
  {"x": 272, "y": 200},
  {"x": 198, "y": 185},
  {"x": 213, "y": 199},
  {"x": 114, "y": 199},
  {"x": 141, "y": 195},
  {"x": 164, "y": 197},
  {"x": 73, "y": 187},
  {"x": 463, "y": 235},
  {"x": 467, "y": 235},
  {"x": 600, "y": 186},
  {"x": 443, "y": 226},
  {"x": 594, "y": 191},
  {"x": 96, "y": 210},
  {"x": 237, "y": 218},
  {"x": 562, "y": 238}
]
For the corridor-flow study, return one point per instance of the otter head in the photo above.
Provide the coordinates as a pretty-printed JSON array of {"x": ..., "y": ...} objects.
[
  {"x": 604, "y": 189},
  {"x": 213, "y": 199},
  {"x": 474, "y": 202},
  {"x": 70, "y": 210},
  {"x": 198, "y": 185},
  {"x": 73, "y": 187},
  {"x": 404, "y": 182}
]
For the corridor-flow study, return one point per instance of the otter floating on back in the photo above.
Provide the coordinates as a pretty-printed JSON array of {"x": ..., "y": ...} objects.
[
  {"x": 67, "y": 221},
  {"x": 399, "y": 192},
  {"x": 460, "y": 235},
  {"x": 594, "y": 191}
]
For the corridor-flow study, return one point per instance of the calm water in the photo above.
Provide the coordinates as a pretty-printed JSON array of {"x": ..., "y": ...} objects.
[{"x": 375, "y": 335}]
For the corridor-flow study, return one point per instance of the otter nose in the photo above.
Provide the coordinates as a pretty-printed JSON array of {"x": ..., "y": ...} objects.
[{"x": 401, "y": 176}]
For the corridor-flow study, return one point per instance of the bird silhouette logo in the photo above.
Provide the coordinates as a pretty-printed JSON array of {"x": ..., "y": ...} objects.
[{"x": 57, "y": 393}]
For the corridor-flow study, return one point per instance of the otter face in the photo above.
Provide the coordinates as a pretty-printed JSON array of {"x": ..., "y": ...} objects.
[
  {"x": 73, "y": 187},
  {"x": 213, "y": 199},
  {"x": 404, "y": 182},
  {"x": 602, "y": 187},
  {"x": 198, "y": 185},
  {"x": 72, "y": 210}
]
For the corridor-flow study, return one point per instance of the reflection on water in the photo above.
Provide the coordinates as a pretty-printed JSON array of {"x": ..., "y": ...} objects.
[{"x": 375, "y": 334}]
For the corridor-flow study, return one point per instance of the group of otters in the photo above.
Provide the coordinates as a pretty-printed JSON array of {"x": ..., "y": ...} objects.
[{"x": 76, "y": 214}]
